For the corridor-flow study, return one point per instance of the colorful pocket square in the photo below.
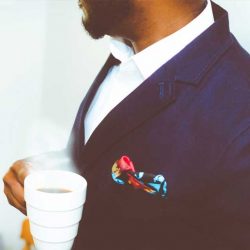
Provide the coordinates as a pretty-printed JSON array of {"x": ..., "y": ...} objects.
[{"x": 124, "y": 173}]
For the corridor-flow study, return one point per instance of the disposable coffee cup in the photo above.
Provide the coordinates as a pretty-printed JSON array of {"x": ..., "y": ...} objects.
[{"x": 54, "y": 201}]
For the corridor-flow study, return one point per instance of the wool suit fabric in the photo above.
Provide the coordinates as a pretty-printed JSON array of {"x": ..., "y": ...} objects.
[{"x": 189, "y": 121}]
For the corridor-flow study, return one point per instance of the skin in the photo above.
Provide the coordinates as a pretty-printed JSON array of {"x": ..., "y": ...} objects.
[
  {"x": 13, "y": 184},
  {"x": 14, "y": 178},
  {"x": 139, "y": 23}
]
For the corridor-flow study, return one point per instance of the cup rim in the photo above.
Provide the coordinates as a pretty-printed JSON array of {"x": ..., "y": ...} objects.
[
  {"x": 55, "y": 201},
  {"x": 28, "y": 181}
]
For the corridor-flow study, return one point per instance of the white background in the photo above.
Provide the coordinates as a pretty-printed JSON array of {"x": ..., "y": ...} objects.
[{"x": 47, "y": 62}]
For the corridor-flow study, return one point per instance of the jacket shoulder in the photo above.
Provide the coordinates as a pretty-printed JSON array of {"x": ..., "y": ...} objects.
[{"x": 234, "y": 65}]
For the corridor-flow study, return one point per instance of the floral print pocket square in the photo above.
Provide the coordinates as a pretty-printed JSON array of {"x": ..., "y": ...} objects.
[{"x": 124, "y": 173}]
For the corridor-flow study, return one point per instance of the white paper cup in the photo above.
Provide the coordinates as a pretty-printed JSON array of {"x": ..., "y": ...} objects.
[
  {"x": 54, "y": 217},
  {"x": 53, "y": 246}
]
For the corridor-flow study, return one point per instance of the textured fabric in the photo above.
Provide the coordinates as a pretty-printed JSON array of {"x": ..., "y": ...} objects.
[
  {"x": 124, "y": 78},
  {"x": 190, "y": 122},
  {"x": 124, "y": 173}
]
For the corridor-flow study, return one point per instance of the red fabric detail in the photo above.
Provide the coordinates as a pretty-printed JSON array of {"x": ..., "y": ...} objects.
[{"x": 125, "y": 164}]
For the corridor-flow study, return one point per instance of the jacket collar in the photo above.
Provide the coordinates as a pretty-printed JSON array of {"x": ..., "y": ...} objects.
[
  {"x": 201, "y": 54},
  {"x": 158, "y": 91}
]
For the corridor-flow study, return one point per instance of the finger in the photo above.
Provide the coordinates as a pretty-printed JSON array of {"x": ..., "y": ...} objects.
[
  {"x": 13, "y": 201},
  {"x": 21, "y": 170},
  {"x": 14, "y": 187}
]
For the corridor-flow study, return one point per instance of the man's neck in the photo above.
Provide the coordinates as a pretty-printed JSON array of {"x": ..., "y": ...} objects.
[{"x": 159, "y": 21}]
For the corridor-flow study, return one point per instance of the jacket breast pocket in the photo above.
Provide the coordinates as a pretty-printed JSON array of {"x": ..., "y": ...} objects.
[{"x": 137, "y": 204}]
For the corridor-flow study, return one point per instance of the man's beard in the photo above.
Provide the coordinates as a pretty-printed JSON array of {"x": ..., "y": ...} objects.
[{"x": 105, "y": 17}]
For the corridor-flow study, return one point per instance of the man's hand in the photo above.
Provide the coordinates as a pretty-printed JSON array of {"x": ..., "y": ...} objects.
[
  {"x": 14, "y": 184},
  {"x": 14, "y": 178}
]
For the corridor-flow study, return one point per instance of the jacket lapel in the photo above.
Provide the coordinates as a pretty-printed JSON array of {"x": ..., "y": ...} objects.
[
  {"x": 76, "y": 141},
  {"x": 159, "y": 90},
  {"x": 111, "y": 61},
  {"x": 151, "y": 96}
]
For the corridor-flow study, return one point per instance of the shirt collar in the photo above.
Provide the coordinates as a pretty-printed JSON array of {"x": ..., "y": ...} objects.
[{"x": 152, "y": 57}]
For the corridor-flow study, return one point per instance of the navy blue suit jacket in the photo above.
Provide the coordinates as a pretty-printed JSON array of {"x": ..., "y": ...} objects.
[{"x": 189, "y": 121}]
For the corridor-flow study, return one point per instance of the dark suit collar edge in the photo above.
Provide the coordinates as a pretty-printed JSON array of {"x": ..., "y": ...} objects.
[{"x": 193, "y": 62}]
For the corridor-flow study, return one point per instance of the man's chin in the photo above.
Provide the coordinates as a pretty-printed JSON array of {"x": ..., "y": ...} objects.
[
  {"x": 105, "y": 17},
  {"x": 93, "y": 30}
]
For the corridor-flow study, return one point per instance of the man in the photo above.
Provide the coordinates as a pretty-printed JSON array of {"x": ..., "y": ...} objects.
[{"x": 163, "y": 135}]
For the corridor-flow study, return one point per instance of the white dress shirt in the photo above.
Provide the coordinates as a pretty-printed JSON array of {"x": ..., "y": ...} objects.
[{"x": 124, "y": 78}]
